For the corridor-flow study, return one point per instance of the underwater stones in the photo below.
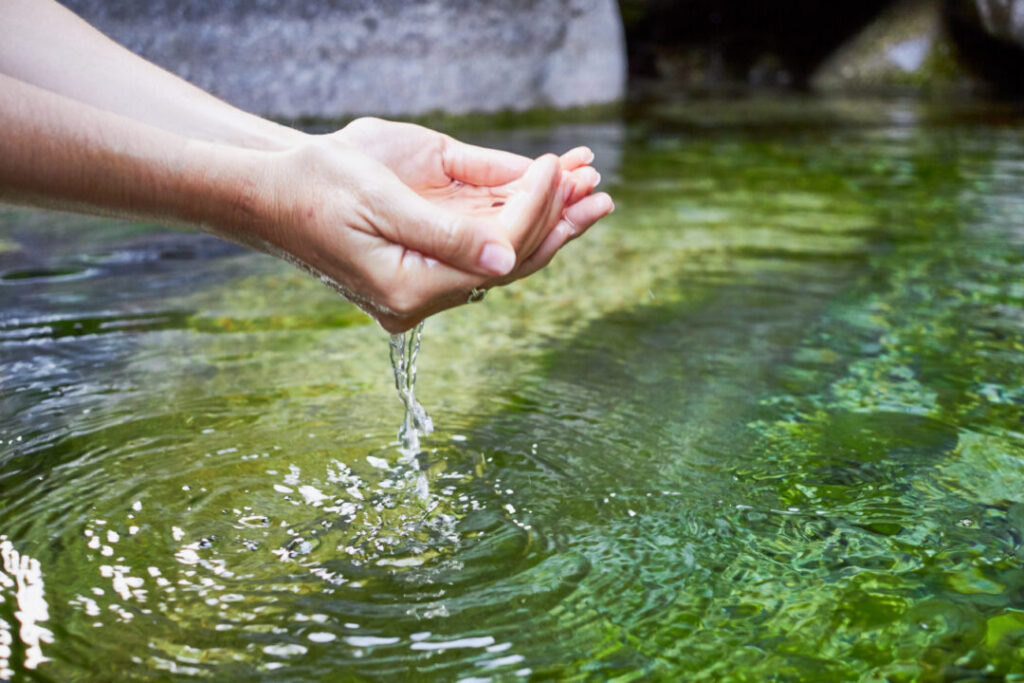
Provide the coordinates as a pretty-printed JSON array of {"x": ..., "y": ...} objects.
[
  {"x": 906, "y": 48},
  {"x": 386, "y": 57}
]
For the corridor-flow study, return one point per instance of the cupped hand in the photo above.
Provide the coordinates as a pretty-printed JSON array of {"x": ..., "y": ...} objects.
[
  {"x": 465, "y": 179},
  {"x": 406, "y": 222}
]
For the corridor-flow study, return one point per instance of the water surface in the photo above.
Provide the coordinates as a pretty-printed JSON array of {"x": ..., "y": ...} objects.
[{"x": 765, "y": 421}]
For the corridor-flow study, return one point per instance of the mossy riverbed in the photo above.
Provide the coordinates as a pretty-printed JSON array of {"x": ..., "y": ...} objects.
[{"x": 765, "y": 421}]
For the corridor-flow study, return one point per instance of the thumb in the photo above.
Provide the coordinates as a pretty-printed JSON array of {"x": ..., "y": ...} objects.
[{"x": 463, "y": 242}]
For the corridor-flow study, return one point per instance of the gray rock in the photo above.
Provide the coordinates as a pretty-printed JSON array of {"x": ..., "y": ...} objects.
[
  {"x": 335, "y": 58},
  {"x": 907, "y": 48}
]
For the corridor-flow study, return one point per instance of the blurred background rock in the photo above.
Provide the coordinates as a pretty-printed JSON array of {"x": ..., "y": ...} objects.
[
  {"x": 334, "y": 58},
  {"x": 338, "y": 58},
  {"x": 931, "y": 47}
]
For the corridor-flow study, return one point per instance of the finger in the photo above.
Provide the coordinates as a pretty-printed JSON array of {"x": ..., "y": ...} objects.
[
  {"x": 465, "y": 242},
  {"x": 548, "y": 219},
  {"x": 574, "y": 186},
  {"x": 577, "y": 219},
  {"x": 479, "y": 165},
  {"x": 576, "y": 157},
  {"x": 438, "y": 286},
  {"x": 435, "y": 286},
  {"x": 584, "y": 180},
  {"x": 526, "y": 215}
]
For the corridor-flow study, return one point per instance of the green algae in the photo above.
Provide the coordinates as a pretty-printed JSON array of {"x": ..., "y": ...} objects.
[{"x": 762, "y": 422}]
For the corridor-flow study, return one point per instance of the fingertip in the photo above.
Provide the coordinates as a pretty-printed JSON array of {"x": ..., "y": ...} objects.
[
  {"x": 549, "y": 162},
  {"x": 497, "y": 258},
  {"x": 588, "y": 211},
  {"x": 542, "y": 172},
  {"x": 576, "y": 157},
  {"x": 589, "y": 176},
  {"x": 580, "y": 183}
]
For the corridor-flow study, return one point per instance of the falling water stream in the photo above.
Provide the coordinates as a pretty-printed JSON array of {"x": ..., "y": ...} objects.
[
  {"x": 765, "y": 422},
  {"x": 405, "y": 347}
]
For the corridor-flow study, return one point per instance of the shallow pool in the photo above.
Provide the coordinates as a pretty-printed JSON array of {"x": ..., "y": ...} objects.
[{"x": 766, "y": 420}]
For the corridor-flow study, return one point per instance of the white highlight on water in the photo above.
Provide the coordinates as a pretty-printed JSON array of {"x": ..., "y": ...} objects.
[
  {"x": 405, "y": 347},
  {"x": 23, "y": 575}
]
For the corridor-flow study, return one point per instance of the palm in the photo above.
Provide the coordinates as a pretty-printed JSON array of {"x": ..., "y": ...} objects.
[
  {"x": 420, "y": 158},
  {"x": 427, "y": 260}
]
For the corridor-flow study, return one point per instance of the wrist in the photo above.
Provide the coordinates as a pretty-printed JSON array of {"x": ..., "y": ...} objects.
[
  {"x": 268, "y": 136},
  {"x": 224, "y": 190},
  {"x": 268, "y": 200}
]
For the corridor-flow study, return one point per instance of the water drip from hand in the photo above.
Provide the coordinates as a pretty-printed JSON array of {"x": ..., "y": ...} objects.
[{"x": 404, "y": 349}]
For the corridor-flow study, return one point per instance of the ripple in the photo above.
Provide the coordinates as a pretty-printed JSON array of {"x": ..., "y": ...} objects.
[
  {"x": 233, "y": 541},
  {"x": 35, "y": 276},
  {"x": 765, "y": 425}
]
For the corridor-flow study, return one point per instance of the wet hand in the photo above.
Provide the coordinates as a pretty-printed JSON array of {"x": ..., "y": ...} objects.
[
  {"x": 407, "y": 222},
  {"x": 469, "y": 180}
]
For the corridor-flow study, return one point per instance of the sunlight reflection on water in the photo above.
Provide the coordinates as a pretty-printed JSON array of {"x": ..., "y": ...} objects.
[{"x": 766, "y": 419}]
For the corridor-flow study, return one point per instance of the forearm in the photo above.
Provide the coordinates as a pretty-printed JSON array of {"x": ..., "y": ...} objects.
[
  {"x": 60, "y": 153},
  {"x": 48, "y": 46}
]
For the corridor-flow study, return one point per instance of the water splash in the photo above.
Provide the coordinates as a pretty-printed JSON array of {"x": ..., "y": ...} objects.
[{"x": 404, "y": 349}]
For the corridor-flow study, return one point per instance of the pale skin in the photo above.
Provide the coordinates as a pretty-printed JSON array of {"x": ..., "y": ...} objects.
[{"x": 403, "y": 220}]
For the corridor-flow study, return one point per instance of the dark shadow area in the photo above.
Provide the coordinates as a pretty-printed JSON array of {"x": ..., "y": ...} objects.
[
  {"x": 742, "y": 42},
  {"x": 996, "y": 61}
]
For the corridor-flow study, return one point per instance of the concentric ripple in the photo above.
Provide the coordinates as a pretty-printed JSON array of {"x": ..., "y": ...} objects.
[{"x": 765, "y": 423}]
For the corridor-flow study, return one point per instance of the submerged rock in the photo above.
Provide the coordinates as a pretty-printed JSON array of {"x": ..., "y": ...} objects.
[
  {"x": 386, "y": 57},
  {"x": 906, "y": 48}
]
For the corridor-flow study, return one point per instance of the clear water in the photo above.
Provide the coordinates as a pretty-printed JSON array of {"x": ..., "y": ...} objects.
[
  {"x": 765, "y": 422},
  {"x": 403, "y": 350}
]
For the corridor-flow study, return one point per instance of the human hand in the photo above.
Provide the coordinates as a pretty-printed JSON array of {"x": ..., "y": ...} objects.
[
  {"x": 463, "y": 178},
  {"x": 405, "y": 221},
  {"x": 400, "y": 219}
]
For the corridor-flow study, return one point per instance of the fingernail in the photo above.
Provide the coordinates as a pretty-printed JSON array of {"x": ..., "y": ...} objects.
[
  {"x": 589, "y": 156},
  {"x": 497, "y": 259},
  {"x": 597, "y": 180}
]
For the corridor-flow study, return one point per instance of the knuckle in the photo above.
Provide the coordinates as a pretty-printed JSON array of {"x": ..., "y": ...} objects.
[
  {"x": 449, "y": 238},
  {"x": 567, "y": 227},
  {"x": 363, "y": 122}
]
